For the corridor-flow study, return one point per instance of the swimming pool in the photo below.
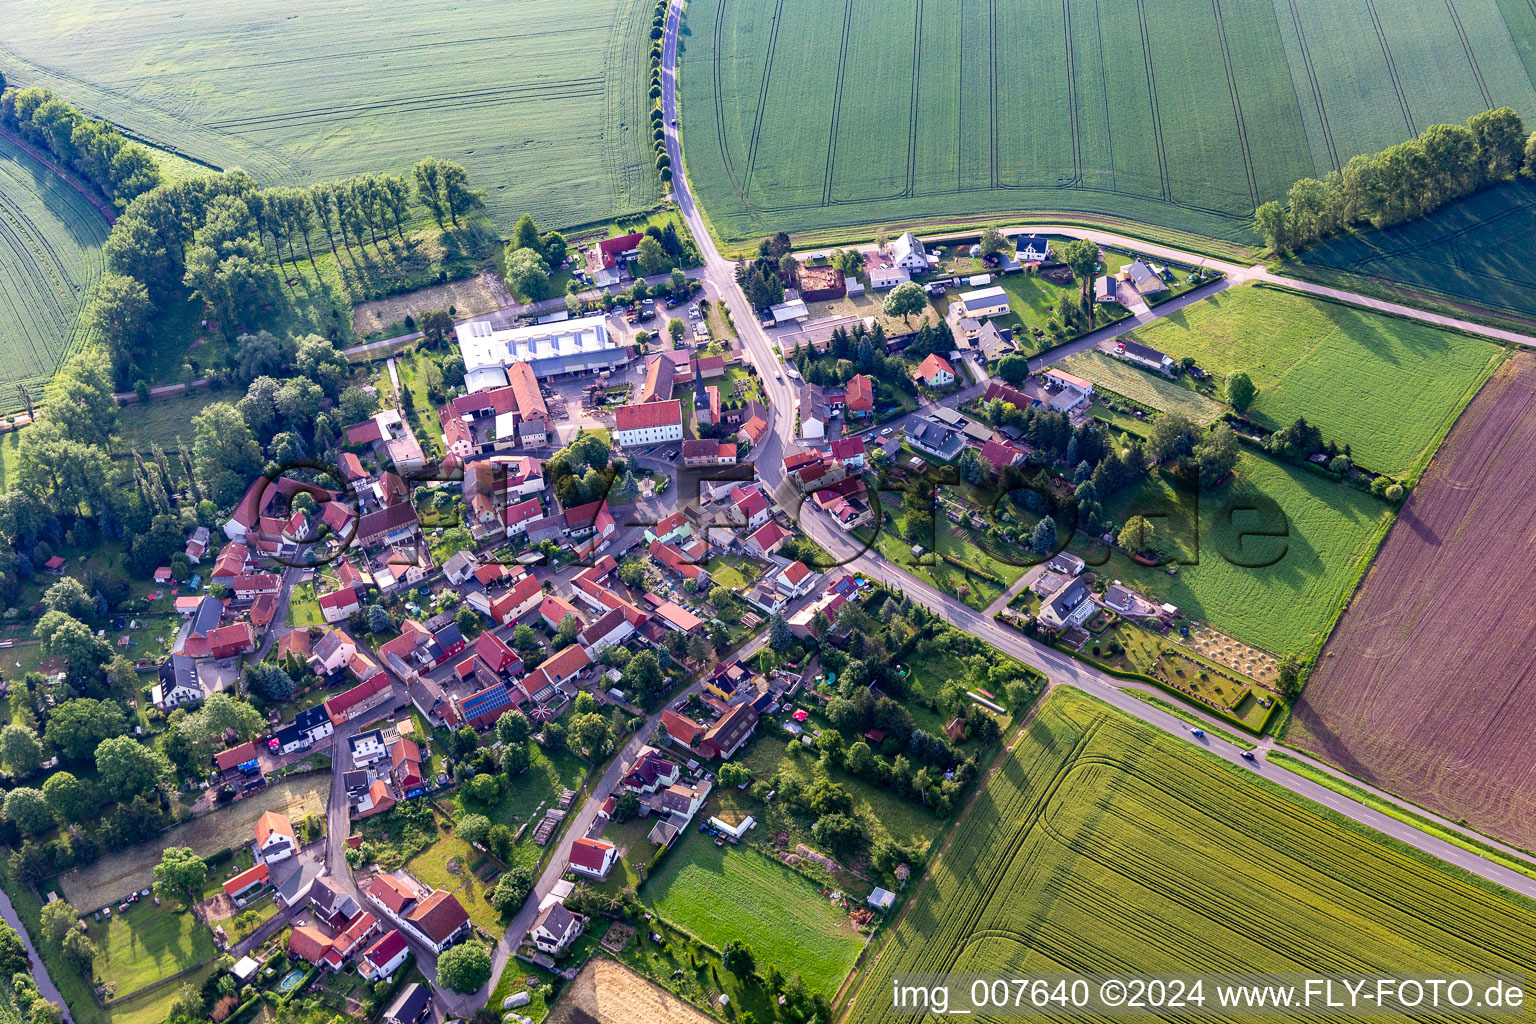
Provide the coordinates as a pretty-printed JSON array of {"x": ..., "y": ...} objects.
[{"x": 291, "y": 980}]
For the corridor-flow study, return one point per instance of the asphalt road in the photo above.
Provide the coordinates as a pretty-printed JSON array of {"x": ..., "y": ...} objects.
[{"x": 1059, "y": 667}]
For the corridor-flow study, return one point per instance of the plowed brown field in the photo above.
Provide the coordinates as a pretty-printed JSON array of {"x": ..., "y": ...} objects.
[{"x": 1428, "y": 686}]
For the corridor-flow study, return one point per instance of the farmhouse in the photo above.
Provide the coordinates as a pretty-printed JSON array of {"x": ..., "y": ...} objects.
[
  {"x": 562, "y": 349},
  {"x": 554, "y": 928},
  {"x": 984, "y": 302},
  {"x": 907, "y": 252},
  {"x": 607, "y": 262},
  {"x": 883, "y": 271},
  {"x": 275, "y": 839},
  {"x": 653, "y": 423}
]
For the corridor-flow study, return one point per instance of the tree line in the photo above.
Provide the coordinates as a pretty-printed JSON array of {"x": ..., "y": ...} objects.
[
  {"x": 119, "y": 169},
  {"x": 1444, "y": 163},
  {"x": 223, "y": 237}
]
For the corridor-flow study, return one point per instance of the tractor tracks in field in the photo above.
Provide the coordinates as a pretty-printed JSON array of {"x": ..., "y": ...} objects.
[
  {"x": 837, "y": 102},
  {"x": 762, "y": 97},
  {"x": 1237, "y": 103},
  {"x": 1466, "y": 45},
  {"x": 1316, "y": 86},
  {"x": 1386, "y": 53},
  {"x": 1157, "y": 120},
  {"x": 718, "y": 44},
  {"x": 1072, "y": 121}
]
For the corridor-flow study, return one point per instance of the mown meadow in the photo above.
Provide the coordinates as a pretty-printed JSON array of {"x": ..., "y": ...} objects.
[{"x": 1389, "y": 388}]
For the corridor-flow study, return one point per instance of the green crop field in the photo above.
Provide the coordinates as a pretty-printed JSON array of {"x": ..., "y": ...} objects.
[
  {"x": 1326, "y": 534},
  {"x": 1147, "y": 389},
  {"x": 50, "y": 258},
  {"x": 1474, "y": 251},
  {"x": 734, "y": 892},
  {"x": 1389, "y": 388},
  {"x": 1104, "y": 844},
  {"x": 544, "y": 103},
  {"x": 1185, "y": 113}
]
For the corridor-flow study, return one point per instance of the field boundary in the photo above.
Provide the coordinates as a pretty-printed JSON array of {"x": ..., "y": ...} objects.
[{"x": 1411, "y": 814}]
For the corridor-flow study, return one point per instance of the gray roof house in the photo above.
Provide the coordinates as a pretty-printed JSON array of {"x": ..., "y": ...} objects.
[
  {"x": 934, "y": 438},
  {"x": 1145, "y": 278}
]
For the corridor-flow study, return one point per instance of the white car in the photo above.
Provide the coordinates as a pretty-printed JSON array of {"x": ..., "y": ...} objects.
[{"x": 885, "y": 431}]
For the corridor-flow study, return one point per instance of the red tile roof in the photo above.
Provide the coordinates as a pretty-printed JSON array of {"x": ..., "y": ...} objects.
[
  {"x": 651, "y": 414},
  {"x": 439, "y": 915},
  {"x": 611, "y": 248},
  {"x": 860, "y": 393},
  {"x": 245, "y": 879},
  {"x": 933, "y": 365},
  {"x": 589, "y": 853}
]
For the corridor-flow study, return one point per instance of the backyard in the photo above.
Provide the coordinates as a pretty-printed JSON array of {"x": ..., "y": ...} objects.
[
  {"x": 734, "y": 892},
  {"x": 146, "y": 943},
  {"x": 1152, "y": 390},
  {"x": 528, "y": 796},
  {"x": 1271, "y": 557}
]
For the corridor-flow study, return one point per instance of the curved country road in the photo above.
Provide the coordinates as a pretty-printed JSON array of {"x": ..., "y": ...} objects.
[{"x": 1059, "y": 667}]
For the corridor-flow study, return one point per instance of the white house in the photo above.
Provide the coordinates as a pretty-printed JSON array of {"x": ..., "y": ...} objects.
[
  {"x": 1033, "y": 248},
  {"x": 460, "y": 566},
  {"x": 907, "y": 252},
  {"x": 592, "y": 857},
  {"x": 275, "y": 838},
  {"x": 651, "y": 423},
  {"x": 331, "y": 652},
  {"x": 883, "y": 272},
  {"x": 554, "y": 928},
  {"x": 935, "y": 371},
  {"x": 796, "y": 579},
  {"x": 368, "y": 748},
  {"x": 984, "y": 302}
]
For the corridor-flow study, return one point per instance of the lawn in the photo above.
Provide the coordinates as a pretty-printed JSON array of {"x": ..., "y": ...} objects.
[
  {"x": 1305, "y": 541},
  {"x": 451, "y": 863},
  {"x": 1152, "y": 390},
  {"x": 323, "y": 94},
  {"x": 734, "y": 892},
  {"x": 1103, "y": 841},
  {"x": 889, "y": 538},
  {"x": 50, "y": 259},
  {"x": 164, "y": 421},
  {"x": 148, "y": 943},
  {"x": 1389, "y": 388},
  {"x": 303, "y": 608},
  {"x": 1176, "y": 113},
  {"x": 412, "y": 370},
  {"x": 117, "y": 874},
  {"x": 529, "y": 795}
]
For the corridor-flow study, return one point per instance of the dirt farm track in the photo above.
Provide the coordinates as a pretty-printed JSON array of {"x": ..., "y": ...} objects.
[{"x": 1428, "y": 686}]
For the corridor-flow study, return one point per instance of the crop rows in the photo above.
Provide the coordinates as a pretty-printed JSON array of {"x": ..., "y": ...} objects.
[
  {"x": 1147, "y": 110},
  {"x": 1101, "y": 844},
  {"x": 545, "y": 108},
  {"x": 1429, "y": 688},
  {"x": 50, "y": 258}
]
